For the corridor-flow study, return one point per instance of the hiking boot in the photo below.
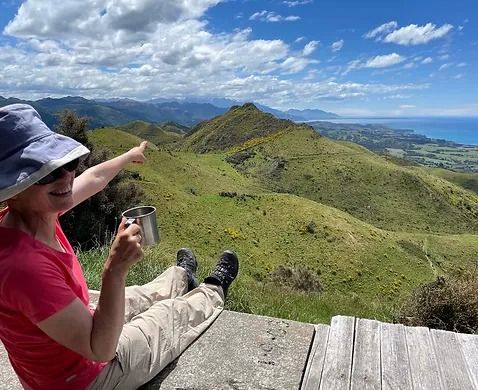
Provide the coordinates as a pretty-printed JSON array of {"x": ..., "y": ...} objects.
[
  {"x": 185, "y": 259},
  {"x": 225, "y": 272}
]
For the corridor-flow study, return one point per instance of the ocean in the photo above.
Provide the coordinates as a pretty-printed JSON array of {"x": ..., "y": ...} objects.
[{"x": 462, "y": 130}]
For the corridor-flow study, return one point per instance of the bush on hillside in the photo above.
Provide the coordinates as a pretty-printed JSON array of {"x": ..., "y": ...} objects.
[
  {"x": 94, "y": 221},
  {"x": 298, "y": 278},
  {"x": 447, "y": 303}
]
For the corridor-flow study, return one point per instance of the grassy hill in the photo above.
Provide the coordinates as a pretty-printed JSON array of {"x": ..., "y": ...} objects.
[
  {"x": 468, "y": 181},
  {"x": 301, "y": 258},
  {"x": 156, "y": 134},
  {"x": 287, "y": 158},
  {"x": 235, "y": 127}
]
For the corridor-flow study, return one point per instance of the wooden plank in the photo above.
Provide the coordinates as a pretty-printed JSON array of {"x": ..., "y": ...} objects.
[
  {"x": 394, "y": 353},
  {"x": 315, "y": 362},
  {"x": 338, "y": 357},
  {"x": 469, "y": 346},
  {"x": 366, "y": 356},
  {"x": 423, "y": 363},
  {"x": 451, "y": 360}
]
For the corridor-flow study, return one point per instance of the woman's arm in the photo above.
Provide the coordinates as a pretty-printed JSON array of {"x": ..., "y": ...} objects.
[
  {"x": 96, "y": 337},
  {"x": 94, "y": 179}
]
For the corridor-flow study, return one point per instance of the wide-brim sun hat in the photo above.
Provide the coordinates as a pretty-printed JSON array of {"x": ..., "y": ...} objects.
[{"x": 29, "y": 150}]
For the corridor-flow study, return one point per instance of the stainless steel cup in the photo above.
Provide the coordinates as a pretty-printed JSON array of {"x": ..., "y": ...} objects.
[{"x": 145, "y": 217}]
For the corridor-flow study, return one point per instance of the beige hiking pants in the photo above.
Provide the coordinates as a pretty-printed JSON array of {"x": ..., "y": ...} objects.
[{"x": 160, "y": 323}]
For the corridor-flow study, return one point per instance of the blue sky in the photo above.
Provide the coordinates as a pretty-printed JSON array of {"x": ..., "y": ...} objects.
[{"x": 355, "y": 58}]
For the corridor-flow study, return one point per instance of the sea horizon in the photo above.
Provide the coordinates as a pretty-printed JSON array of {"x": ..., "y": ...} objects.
[{"x": 459, "y": 129}]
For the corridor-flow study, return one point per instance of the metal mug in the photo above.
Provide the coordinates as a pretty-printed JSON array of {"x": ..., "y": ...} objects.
[{"x": 145, "y": 217}]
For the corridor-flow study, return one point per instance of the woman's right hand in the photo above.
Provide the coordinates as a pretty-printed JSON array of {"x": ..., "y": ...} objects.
[{"x": 126, "y": 249}]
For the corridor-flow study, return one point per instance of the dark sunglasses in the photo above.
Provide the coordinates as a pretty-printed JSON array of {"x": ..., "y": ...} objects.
[{"x": 57, "y": 173}]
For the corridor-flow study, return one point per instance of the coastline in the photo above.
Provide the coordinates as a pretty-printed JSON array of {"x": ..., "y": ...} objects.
[{"x": 463, "y": 131}]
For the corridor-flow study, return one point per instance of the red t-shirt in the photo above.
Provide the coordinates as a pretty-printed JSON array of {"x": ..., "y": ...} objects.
[{"x": 37, "y": 281}]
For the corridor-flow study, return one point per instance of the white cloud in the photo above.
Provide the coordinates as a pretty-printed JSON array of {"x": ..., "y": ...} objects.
[
  {"x": 409, "y": 35},
  {"x": 458, "y": 76},
  {"x": 397, "y": 96},
  {"x": 461, "y": 64},
  {"x": 383, "y": 29},
  {"x": 312, "y": 74},
  {"x": 445, "y": 66},
  {"x": 296, "y": 3},
  {"x": 466, "y": 110},
  {"x": 407, "y": 106},
  {"x": 272, "y": 17},
  {"x": 337, "y": 46},
  {"x": 295, "y": 64},
  {"x": 355, "y": 64},
  {"x": 376, "y": 62},
  {"x": 444, "y": 57},
  {"x": 410, "y": 65},
  {"x": 427, "y": 60},
  {"x": 310, "y": 48},
  {"x": 300, "y": 39},
  {"x": 41, "y": 18},
  {"x": 384, "y": 61},
  {"x": 417, "y": 35}
]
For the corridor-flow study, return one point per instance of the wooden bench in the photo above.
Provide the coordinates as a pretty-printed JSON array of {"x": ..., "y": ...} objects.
[{"x": 355, "y": 353}]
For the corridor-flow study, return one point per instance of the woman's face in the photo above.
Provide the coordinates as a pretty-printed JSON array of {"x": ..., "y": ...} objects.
[{"x": 51, "y": 198}]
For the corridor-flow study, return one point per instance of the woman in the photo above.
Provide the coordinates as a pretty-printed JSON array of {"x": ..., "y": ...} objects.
[{"x": 53, "y": 339}]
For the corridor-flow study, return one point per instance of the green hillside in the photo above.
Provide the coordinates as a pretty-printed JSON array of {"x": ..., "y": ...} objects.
[
  {"x": 157, "y": 134},
  {"x": 296, "y": 160},
  {"x": 174, "y": 127},
  {"x": 235, "y": 127},
  {"x": 349, "y": 266},
  {"x": 468, "y": 181}
]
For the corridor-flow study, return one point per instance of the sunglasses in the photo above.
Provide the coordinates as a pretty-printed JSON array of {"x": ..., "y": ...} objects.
[{"x": 57, "y": 173}]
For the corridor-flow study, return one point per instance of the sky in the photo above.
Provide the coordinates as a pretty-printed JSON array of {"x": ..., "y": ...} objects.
[{"x": 350, "y": 57}]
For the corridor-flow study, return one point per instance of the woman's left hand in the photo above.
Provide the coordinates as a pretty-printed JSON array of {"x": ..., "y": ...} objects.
[{"x": 136, "y": 154}]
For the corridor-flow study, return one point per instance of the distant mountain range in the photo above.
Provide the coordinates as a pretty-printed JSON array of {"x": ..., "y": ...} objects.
[{"x": 112, "y": 112}]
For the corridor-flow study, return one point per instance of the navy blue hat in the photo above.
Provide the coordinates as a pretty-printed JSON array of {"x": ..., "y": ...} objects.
[{"x": 30, "y": 150}]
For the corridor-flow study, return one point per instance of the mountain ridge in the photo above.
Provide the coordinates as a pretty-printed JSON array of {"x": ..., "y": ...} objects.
[{"x": 117, "y": 111}]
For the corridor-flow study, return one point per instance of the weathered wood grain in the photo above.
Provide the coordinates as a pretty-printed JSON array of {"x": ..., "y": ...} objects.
[
  {"x": 423, "y": 362},
  {"x": 315, "y": 363},
  {"x": 451, "y": 360},
  {"x": 338, "y": 358},
  {"x": 469, "y": 346},
  {"x": 394, "y": 353},
  {"x": 366, "y": 356}
]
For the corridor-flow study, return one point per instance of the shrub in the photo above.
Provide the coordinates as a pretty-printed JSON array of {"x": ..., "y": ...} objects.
[
  {"x": 94, "y": 221},
  {"x": 228, "y": 194},
  {"x": 297, "y": 278},
  {"x": 239, "y": 157},
  {"x": 447, "y": 303},
  {"x": 310, "y": 227}
]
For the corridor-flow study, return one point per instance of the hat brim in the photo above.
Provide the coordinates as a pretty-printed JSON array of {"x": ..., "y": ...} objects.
[{"x": 26, "y": 166}]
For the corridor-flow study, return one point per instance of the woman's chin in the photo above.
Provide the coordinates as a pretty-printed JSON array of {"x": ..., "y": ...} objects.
[{"x": 61, "y": 202}]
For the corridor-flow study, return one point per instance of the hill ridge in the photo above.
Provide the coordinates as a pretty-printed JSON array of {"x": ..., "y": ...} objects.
[{"x": 237, "y": 126}]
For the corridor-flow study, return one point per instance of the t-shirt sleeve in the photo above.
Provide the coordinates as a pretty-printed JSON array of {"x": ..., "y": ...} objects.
[{"x": 38, "y": 290}]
